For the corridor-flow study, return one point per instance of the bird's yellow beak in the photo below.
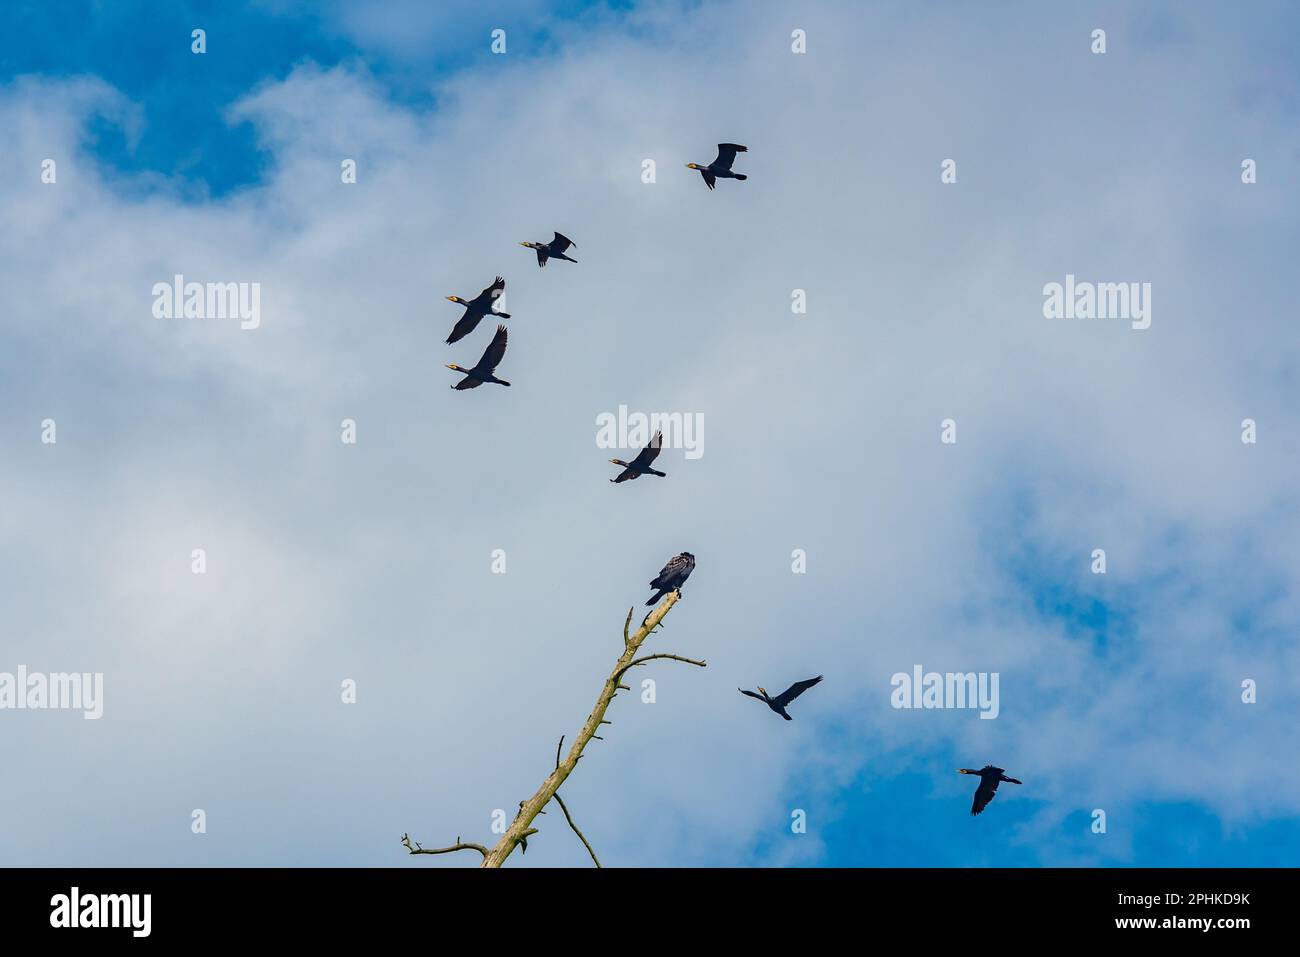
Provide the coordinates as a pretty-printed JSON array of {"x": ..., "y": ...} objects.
[
  {"x": 762, "y": 689},
  {"x": 691, "y": 166},
  {"x": 961, "y": 770},
  {"x": 450, "y": 366},
  {"x": 523, "y": 244},
  {"x": 451, "y": 298}
]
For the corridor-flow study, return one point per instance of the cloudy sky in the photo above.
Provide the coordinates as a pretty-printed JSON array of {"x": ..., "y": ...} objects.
[{"x": 373, "y": 562}]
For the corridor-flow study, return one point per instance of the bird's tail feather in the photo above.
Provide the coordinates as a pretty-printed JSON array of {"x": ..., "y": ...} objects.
[
  {"x": 787, "y": 717},
  {"x": 656, "y": 598},
  {"x": 741, "y": 176},
  {"x": 655, "y": 472},
  {"x": 501, "y": 315}
]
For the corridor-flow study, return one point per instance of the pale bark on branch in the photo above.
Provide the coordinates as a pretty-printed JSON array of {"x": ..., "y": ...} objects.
[
  {"x": 415, "y": 848},
  {"x": 521, "y": 828}
]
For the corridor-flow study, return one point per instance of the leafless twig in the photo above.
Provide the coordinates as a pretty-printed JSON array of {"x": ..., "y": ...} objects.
[
  {"x": 415, "y": 848},
  {"x": 564, "y": 807}
]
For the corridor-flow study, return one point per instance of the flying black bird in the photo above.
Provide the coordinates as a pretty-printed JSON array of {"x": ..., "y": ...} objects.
[
  {"x": 483, "y": 372},
  {"x": 673, "y": 576},
  {"x": 778, "y": 703},
  {"x": 641, "y": 464},
  {"x": 990, "y": 778},
  {"x": 475, "y": 309},
  {"x": 720, "y": 168},
  {"x": 552, "y": 250}
]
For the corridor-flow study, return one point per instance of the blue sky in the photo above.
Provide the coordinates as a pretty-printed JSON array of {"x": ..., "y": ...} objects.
[
  {"x": 1119, "y": 692},
  {"x": 182, "y": 133}
]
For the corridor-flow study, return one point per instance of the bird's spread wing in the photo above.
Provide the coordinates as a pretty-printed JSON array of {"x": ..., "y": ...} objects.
[
  {"x": 495, "y": 351},
  {"x": 796, "y": 689},
  {"x": 465, "y": 325},
  {"x": 750, "y": 693},
  {"x": 709, "y": 178},
  {"x": 624, "y": 475},
  {"x": 560, "y": 243},
  {"x": 983, "y": 794},
  {"x": 491, "y": 292},
  {"x": 651, "y": 452},
  {"x": 727, "y": 154}
]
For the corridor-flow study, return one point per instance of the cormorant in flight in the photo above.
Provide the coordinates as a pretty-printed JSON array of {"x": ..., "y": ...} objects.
[
  {"x": 990, "y": 778},
  {"x": 483, "y": 371},
  {"x": 720, "y": 168},
  {"x": 641, "y": 464},
  {"x": 552, "y": 250},
  {"x": 778, "y": 703},
  {"x": 476, "y": 308},
  {"x": 672, "y": 576}
]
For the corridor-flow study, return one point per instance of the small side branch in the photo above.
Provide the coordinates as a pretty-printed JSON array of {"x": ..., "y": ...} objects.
[
  {"x": 689, "y": 661},
  {"x": 415, "y": 848},
  {"x": 563, "y": 807},
  {"x": 637, "y": 662},
  {"x": 568, "y": 817},
  {"x": 627, "y": 624}
]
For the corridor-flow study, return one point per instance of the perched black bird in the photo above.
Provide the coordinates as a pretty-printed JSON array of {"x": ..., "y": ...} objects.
[
  {"x": 476, "y": 308},
  {"x": 483, "y": 371},
  {"x": 990, "y": 778},
  {"x": 673, "y": 576},
  {"x": 778, "y": 703},
  {"x": 641, "y": 464},
  {"x": 720, "y": 168},
  {"x": 552, "y": 250}
]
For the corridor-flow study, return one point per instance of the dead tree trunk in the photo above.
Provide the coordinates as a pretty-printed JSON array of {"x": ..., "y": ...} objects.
[{"x": 522, "y": 826}]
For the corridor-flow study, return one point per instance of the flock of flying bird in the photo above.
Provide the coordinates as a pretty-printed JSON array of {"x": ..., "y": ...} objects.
[
  {"x": 484, "y": 304},
  {"x": 674, "y": 574}
]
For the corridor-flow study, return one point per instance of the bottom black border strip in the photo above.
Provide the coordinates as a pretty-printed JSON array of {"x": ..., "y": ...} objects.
[{"x": 330, "y": 904}]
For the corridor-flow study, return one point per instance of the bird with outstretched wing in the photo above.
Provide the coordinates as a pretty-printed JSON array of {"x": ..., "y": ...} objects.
[
  {"x": 779, "y": 702},
  {"x": 478, "y": 307},
  {"x": 641, "y": 464},
  {"x": 990, "y": 777},
  {"x": 484, "y": 370}
]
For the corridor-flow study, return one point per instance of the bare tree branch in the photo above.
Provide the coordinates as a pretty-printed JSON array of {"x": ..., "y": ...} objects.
[
  {"x": 563, "y": 807},
  {"x": 641, "y": 661},
  {"x": 521, "y": 827},
  {"x": 627, "y": 623},
  {"x": 568, "y": 817},
  {"x": 415, "y": 848}
]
